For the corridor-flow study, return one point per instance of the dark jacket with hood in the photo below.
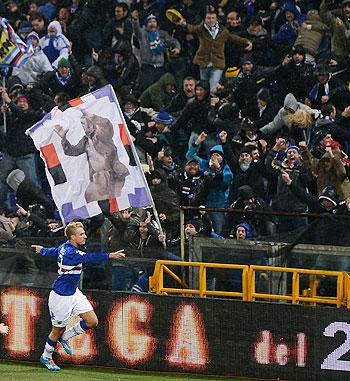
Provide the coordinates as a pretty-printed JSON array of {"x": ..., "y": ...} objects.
[{"x": 156, "y": 95}]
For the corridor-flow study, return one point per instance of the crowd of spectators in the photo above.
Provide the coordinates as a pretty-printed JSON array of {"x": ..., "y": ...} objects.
[{"x": 240, "y": 103}]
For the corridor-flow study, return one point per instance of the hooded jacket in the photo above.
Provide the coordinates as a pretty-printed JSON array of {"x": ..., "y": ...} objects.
[
  {"x": 156, "y": 96},
  {"x": 216, "y": 185},
  {"x": 56, "y": 47},
  {"x": 280, "y": 119}
]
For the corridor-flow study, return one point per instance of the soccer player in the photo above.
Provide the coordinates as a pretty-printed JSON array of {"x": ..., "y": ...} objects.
[{"x": 66, "y": 299}]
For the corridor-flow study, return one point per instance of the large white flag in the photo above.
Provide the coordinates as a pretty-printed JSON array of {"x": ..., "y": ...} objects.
[{"x": 90, "y": 159}]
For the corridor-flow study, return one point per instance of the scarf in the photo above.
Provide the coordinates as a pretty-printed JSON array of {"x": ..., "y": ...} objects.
[
  {"x": 155, "y": 44},
  {"x": 63, "y": 80},
  {"x": 314, "y": 91},
  {"x": 51, "y": 51}
]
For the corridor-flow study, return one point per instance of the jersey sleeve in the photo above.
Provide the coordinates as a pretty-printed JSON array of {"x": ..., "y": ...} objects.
[
  {"x": 90, "y": 257},
  {"x": 49, "y": 251}
]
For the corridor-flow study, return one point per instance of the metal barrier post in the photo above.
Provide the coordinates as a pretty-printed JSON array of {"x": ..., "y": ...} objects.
[
  {"x": 202, "y": 281},
  {"x": 182, "y": 233}
]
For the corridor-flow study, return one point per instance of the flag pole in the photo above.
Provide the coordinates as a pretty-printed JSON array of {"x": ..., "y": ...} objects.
[
  {"x": 137, "y": 159},
  {"x": 4, "y": 113}
]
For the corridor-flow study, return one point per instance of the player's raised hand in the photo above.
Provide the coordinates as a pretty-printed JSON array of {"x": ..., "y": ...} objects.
[
  {"x": 117, "y": 254},
  {"x": 4, "y": 329},
  {"x": 37, "y": 248}
]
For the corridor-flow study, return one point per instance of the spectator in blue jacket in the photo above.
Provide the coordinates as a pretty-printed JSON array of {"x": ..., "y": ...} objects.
[{"x": 217, "y": 182}]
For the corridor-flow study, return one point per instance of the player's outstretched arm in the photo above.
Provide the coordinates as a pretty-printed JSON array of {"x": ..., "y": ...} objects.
[
  {"x": 117, "y": 254},
  {"x": 4, "y": 329},
  {"x": 45, "y": 251}
]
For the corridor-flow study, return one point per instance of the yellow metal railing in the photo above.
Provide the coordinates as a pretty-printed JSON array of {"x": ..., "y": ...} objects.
[
  {"x": 296, "y": 298},
  {"x": 156, "y": 282},
  {"x": 249, "y": 293},
  {"x": 347, "y": 290}
]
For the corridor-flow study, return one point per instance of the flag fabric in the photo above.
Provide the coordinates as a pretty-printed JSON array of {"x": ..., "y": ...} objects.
[
  {"x": 90, "y": 159},
  {"x": 13, "y": 51}
]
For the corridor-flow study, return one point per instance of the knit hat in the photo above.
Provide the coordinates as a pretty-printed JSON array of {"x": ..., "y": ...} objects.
[
  {"x": 203, "y": 84},
  {"x": 163, "y": 117},
  {"x": 25, "y": 27},
  {"x": 298, "y": 49},
  {"x": 63, "y": 62},
  {"x": 293, "y": 147},
  {"x": 247, "y": 59},
  {"x": 149, "y": 18},
  {"x": 345, "y": 2},
  {"x": 192, "y": 160},
  {"x": 33, "y": 35},
  {"x": 245, "y": 192},
  {"x": 248, "y": 230},
  {"x": 330, "y": 193},
  {"x": 246, "y": 149},
  {"x": 197, "y": 223}
]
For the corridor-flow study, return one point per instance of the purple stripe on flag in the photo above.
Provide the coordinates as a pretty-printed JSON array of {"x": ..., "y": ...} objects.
[
  {"x": 69, "y": 214},
  {"x": 139, "y": 199},
  {"x": 103, "y": 92},
  {"x": 38, "y": 124}
]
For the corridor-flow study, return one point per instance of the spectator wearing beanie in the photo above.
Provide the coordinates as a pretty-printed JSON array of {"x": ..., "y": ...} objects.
[
  {"x": 250, "y": 79},
  {"x": 295, "y": 75},
  {"x": 246, "y": 171},
  {"x": 194, "y": 117},
  {"x": 153, "y": 46},
  {"x": 64, "y": 79}
]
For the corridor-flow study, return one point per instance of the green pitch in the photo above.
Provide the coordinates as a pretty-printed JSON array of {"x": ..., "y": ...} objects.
[{"x": 11, "y": 371}]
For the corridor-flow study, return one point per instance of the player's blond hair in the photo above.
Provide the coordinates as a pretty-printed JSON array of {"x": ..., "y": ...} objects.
[{"x": 71, "y": 228}]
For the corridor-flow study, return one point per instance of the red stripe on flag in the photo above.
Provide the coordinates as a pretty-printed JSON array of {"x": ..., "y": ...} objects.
[
  {"x": 17, "y": 59},
  {"x": 75, "y": 102},
  {"x": 50, "y": 155},
  {"x": 113, "y": 205},
  {"x": 123, "y": 134}
]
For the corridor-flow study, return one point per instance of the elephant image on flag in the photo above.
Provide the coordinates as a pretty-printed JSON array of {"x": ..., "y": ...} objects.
[{"x": 89, "y": 156}]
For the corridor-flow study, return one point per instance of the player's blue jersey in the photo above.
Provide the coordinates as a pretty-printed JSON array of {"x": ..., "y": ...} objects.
[{"x": 70, "y": 263}]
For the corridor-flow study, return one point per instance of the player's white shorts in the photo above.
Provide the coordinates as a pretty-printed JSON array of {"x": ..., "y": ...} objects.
[{"x": 63, "y": 307}]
